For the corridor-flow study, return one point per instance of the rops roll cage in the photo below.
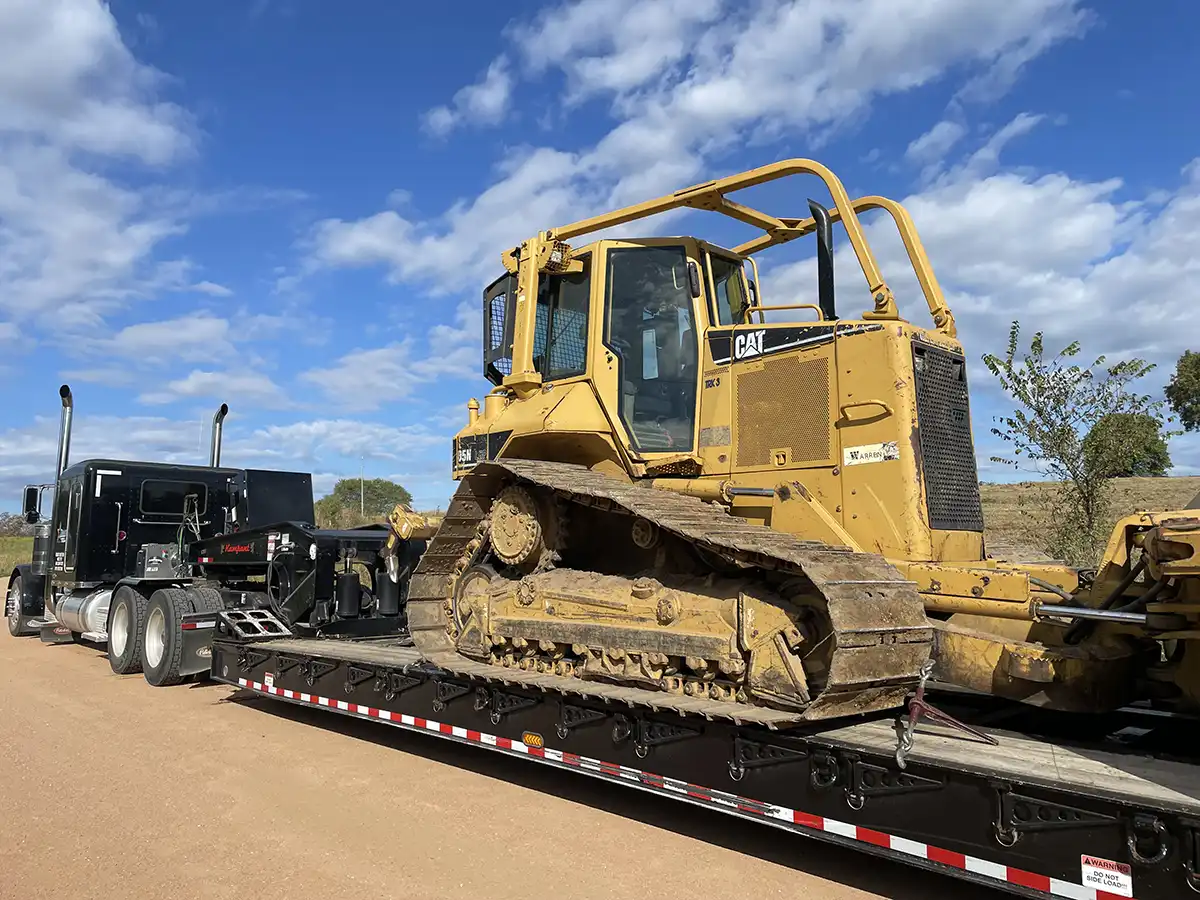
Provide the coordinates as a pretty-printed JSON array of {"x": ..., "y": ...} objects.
[{"x": 549, "y": 252}]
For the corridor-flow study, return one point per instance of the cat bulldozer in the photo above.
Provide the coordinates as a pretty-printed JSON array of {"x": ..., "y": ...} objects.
[{"x": 680, "y": 496}]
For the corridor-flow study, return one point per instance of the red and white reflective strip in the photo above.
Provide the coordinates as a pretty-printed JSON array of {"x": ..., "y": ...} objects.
[
  {"x": 728, "y": 802},
  {"x": 192, "y": 626},
  {"x": 204, "y": 559}
]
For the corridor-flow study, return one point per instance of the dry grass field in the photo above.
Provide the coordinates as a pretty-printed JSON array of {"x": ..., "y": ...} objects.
[
  {"x": 1007, "y": 525},
  {"x": 13, "y": 550}
]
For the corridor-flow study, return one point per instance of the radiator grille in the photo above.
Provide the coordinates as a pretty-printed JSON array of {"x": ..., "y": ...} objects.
[
  {"x": 947, "y": 449},
  {"x": 784, "y": 405}
]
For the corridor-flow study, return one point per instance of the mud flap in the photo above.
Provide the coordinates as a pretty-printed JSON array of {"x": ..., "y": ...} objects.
[{"x": 196, "y": 634}]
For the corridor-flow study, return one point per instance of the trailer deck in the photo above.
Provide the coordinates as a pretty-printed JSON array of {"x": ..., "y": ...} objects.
[{"x": 1035, "y": 816}]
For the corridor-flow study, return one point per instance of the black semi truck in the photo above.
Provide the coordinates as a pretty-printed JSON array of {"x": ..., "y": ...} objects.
[{"x": 131, "y": 553}]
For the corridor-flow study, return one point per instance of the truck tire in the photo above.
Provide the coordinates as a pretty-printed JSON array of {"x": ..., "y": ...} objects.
[
  {"x": 163, "y": 643},
  {"x": 205, "y": 599},
  {"x": 126, "y": 630},
  {"x": 12, "y": 609}
]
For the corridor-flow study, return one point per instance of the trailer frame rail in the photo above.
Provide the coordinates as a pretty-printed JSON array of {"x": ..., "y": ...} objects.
[{"x": 1019, "y": 835}]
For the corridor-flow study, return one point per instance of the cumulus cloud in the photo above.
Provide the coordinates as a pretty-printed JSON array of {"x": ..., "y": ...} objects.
[
  {"x": 934, "y": 144},
  {"x": 73, "y": 242},
  {"x": 686, "y": 87},
  {"x": 482, "y": 103},
  {"x": 365, "y": 379},
  {"x": 211, "y": 288},
  {"x": 239, "y": 387},
  {"x": 28, "y": 454}
]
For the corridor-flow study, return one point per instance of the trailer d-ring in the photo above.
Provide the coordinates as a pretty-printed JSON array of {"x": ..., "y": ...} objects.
[{"x": 1154, "y": 824}]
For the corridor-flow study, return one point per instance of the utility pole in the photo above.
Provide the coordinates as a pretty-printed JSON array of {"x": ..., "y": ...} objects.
[{"x": 362, "y": 496}]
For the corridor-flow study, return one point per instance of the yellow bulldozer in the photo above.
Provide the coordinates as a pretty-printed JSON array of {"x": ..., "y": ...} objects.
[{"x": 678, "y": 495}]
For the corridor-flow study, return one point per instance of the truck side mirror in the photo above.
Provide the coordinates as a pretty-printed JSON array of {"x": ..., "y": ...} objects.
[{"x": 30, "y": 505}]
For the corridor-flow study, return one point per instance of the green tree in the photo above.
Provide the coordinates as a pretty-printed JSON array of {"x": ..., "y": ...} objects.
[
  {"x": 1128, "y": 445},
  {"x": 1053, "y": 430},
  {"x": 341, "y": 507},
  {"x": 1183, "y": 391}
]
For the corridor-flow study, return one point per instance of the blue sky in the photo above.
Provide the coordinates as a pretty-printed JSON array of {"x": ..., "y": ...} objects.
[{"x": 293, "y": 206}]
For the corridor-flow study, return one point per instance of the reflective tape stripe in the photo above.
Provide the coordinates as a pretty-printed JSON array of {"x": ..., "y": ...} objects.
[{"x": 745, "y": 806}]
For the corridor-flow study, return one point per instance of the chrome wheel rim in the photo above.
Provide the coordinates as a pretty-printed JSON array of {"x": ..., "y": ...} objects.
[
  {"x": 156, "y": 637},
  {"x": 14, "y": 603},
  {"x": 119, "y": 638}
]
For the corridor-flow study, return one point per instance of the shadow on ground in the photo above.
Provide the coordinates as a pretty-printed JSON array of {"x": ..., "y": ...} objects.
[{"x": 834, "y": 863}]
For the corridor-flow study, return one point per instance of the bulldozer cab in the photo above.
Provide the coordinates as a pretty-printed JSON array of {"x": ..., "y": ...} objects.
[{"x": 661, "y": 358}]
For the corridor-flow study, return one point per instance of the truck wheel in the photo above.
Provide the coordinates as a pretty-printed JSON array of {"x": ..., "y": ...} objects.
[
  {"x": 12, "y": 610},
  {"x": 163, "y": 643},
  {"x": 126, "y": 630},
  {"x": 205, "y": 599}
]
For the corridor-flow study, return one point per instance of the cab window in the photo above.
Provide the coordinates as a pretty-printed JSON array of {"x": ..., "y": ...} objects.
[
  {"x": 730, "y": 289},
  {"x": 649, "y": 327},
  {"x": 172, "y": 499},
  {"x": 499, "y": 305},
  {"x": 560, "y": 341}
]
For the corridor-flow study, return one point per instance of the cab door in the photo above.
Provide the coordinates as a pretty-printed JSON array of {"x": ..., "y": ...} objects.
[
  {"x": 652, "y": 334},
  {"x": 109, "y": 555},
  {"x": 724, "y": 307},
  {"x": 68, "y": 506}
]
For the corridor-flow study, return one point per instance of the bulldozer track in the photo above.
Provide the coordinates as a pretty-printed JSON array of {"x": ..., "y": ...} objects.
[{"x": 877, "y": 616}]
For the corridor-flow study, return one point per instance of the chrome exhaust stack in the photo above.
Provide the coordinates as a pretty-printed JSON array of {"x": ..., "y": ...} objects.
[
  {"x": 214, "y": 452},
  {"x": 64, "y": 428}
]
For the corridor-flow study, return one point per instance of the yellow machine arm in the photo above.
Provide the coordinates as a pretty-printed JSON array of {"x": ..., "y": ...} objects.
[{"x": 404, "y": 525}]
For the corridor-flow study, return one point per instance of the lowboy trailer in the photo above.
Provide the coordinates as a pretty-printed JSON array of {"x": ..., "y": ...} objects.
[{"x": 1049, "y": 814}]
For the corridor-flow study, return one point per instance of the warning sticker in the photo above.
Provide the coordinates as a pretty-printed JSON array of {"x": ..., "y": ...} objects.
[
  {"x": 871, "y": 453},
  {"x": 1106, "y": 875},
  {"x": 269, "y": 681}
]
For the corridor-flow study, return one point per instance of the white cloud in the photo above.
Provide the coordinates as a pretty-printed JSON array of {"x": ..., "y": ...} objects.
[
  {"x": 933, "y": 145},
  {"x": 713, "y": 86},
  {"x": 193, "y": 338},
  {"x": 350, "y": 438},
  {"x": 614, "y": 45},
  {"x": 464, "y": 246},
  {"x": 365, "y": 379},
  {"x": 67, "y": 77},
  {"x": 482, "y": 103},
  {"x": 211, "y": 288},
  {"x": 236, "y": 387},
  {"x": 75, "y": 244},
  {"x": 28, "y": 454}
]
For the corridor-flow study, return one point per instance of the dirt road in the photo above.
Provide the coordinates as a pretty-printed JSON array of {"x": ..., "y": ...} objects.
[{"x": 110, "y": 788}]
